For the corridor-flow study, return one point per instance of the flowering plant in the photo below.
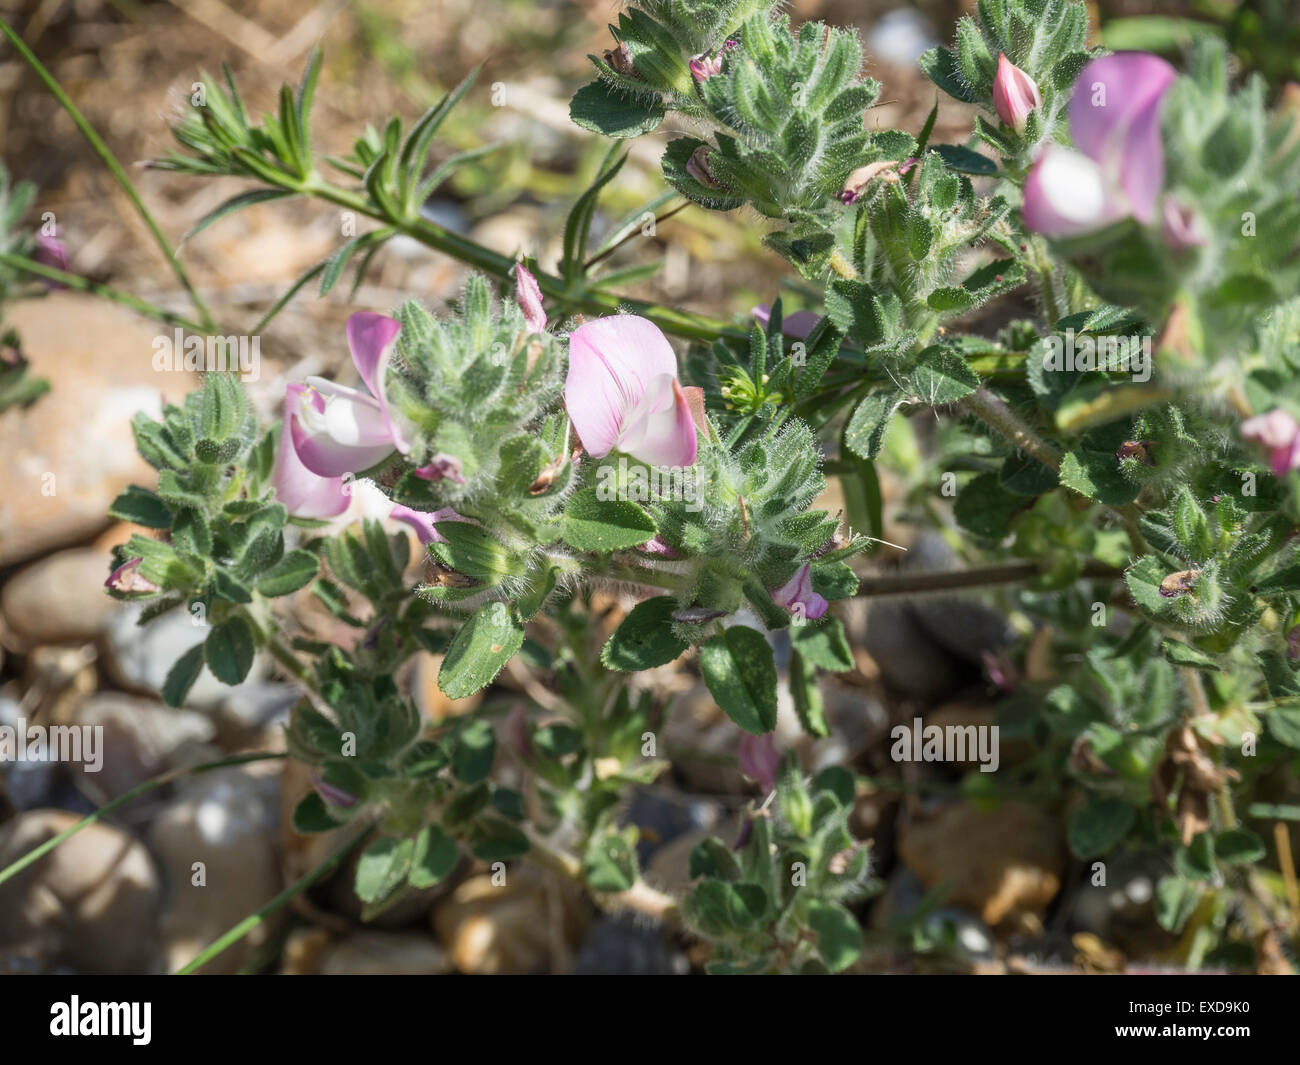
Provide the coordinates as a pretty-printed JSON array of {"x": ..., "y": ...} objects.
[{"x": 1124, "y": 441}]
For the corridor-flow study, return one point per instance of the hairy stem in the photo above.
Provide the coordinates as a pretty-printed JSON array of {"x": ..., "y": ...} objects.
[{"x": 975, "y": 577}]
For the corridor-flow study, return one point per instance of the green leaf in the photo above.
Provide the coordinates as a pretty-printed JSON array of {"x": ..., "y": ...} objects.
[
  {"x": 645, "y": 639},
  {"x": 382, "y": 868},
  {"x": 986, "y": 508},
  {"x": 311, "y": 816},
  {"x": 1284, "y": 725},
  {"x": 1097, "y": 475},
  {"x": 839, "y": 938},
  {"x": 610, "y": 863},
  {"x": 493, "y": 839},
  {"x": 808, "y": 703},
  {"x": 296, "y": 570},
  {"x": 823, "y": 645},
  {"x": 182, "y": 675},
  {"x": 237, "y": 203},
  {"x": 476, "y": 749},
  {"x": 604, "y": 110},
  {"x": 1196, "y": 860},
  {"x": 740, "y": 672},
  {"x": 593, "y": 524},
  {"x": 942, "y": 376},
  {"x": 1143, "y": 579},
  {"x": 141, "y": 506},
  {"x": 1176, "y": 901},
  {"x": 433, "y": 857},
  {"x": 1181, "y": 654},
  {"x": 1099, "y": 826},
  {"x": 1237, "y": 846},
  {"x": 228, "y": 650},
  {"x": 484, "y": 644},
  {"x": 865, "y": 432},
  {"x": 964, "y": 161}
]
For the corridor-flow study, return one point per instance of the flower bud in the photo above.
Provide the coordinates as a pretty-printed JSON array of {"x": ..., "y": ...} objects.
[
  {"x": 1182, "y": 228},
  {"x": 1015, "y": 94},
  {"x": 698, "y": 167},
  {"x": 1139, "y": 450},
  {"x": 442, "y": 467},
  {"x": 529, "y": 294},
  {"x": 759, "y": 759},
  {"x": 128, "y": 580},
  {"x": 703, "y": 66},
  {"x": 1279, "y": 432}
]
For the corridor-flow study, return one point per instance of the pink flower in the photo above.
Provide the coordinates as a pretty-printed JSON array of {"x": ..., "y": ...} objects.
[
  {"x": 303, "y": 493},
  {"x": 703, "y": 67},
  {"x": 1279, "y": 432},
  {"x": 1182, "y": 227},
  {"x": 442, "y": 467},
  {"x": 529, "y": 294},
  {"x": 424, "y": 522},
  {"x": 1015, "y": 94},
  {"x": 759, "y": 759},
  {"x": 796, "y": 326},
  {"x": 1118, "y": 169},
  {"x": 622, "y": 392},
  {"x": 50, "y": 250},
  {"x": 797, "y": 595},
  {"x": 127, "y": 580},
  {"x": 339, "y": 430},
  {"x": 657, "y": 545},
  {"x": 333, "y": 796}
]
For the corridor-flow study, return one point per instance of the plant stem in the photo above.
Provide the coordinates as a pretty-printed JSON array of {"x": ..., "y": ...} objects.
[
  {"x": 82, "y": 284},
  {"x": 1046, "y": 281},
  {"x": 114, "y": 167},
  {"x": 640, "y": 897},
  {"x": 432, "y": 235},
  {"x": 253, "y": 920},
  {"x": 985, "y": 406},
  {"x": 140, "y": 789},
  {"x": 975, "y": 577}
]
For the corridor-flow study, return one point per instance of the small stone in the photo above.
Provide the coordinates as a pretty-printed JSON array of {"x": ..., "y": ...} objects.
[
  {"x": 384, "y": 953},
  {"x": 89, "y": 904},
  {"x": 136, "y": 740},
  {"x": 997, "y": 860},
  {"x": 68, "y": 455},
  {"x": 216, "y": 844},
  {"x": 60, "y": 599}
]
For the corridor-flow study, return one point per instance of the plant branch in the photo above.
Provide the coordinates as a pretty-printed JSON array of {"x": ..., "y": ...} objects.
[
  {"x": 114, "y": 167},
  {"x": 975, "y": 577},
  {"x": 82, "y": 284},
  {"x": 140, "y": 789}
]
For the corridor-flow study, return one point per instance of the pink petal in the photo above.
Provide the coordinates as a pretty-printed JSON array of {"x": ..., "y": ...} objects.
[
  {"x": 1122, "y": 132},
  {"x": 370, "y": 338},
  {"x": 759, "y": 759},
  {"x": 660, "y": 429},
  {"x": 1015, "y": 94},
  {"x": 304, "y": 493},
  {"x": 529, "y": 294},
  {"x": 798, "y": 593},
  {"x": 337, "y": 430},
  {"x": 424, "y": 522},
  {"x": 1066, "y": 193},
  {"x": 611, "y": 362}
]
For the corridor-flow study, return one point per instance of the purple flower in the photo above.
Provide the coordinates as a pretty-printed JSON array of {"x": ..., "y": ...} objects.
[
  {"x": 50, "y": 251},
  {"x": 622, "y": 392},
  {"x": 798, "y": 597},
  {"x": 796, "y": 326},
  {"x": 1182, "y": 227},
  {"x": 1280, "y": 434},
  {"x": 127, "y": 580},
  {"x": 339, "y": 430},
  {"x": 424, "y": 522},
  {"x": 1015, "y": 94},
  {"x": 1118, "y": 168},
  {"x": 442, "y": 467},
  {"x": 303, "y": 493},
  {"x": 657, "y": 545},
  {"x": 529, "y": 294},
  {"x": 759, "y": 759},
  {"x": 703, "y": 66},
  {"x": 332, "y": 795}
]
